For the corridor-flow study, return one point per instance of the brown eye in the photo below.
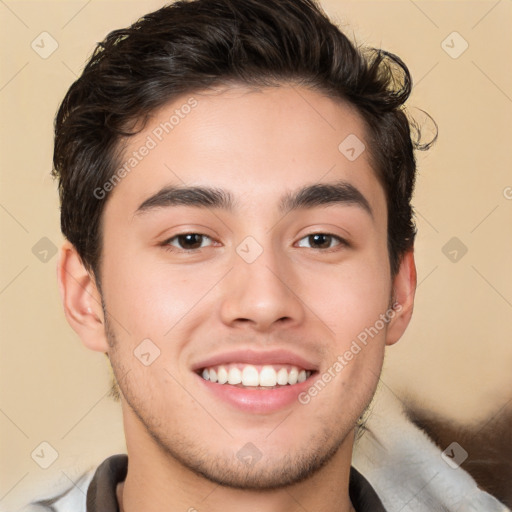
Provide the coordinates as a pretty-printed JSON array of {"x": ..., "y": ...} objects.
[
  {"x": 321, "y": 241},
  {"x": 188, "y": 241}
]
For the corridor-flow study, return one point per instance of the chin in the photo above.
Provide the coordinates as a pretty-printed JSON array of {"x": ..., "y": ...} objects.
[{"x": 261, "y": 474}]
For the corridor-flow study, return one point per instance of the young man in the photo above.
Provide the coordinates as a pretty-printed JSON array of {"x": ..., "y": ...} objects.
[{"x": 235, "y": 180}]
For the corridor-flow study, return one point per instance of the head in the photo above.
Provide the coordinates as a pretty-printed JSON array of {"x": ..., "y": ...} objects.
[{"x": 237, "y": 176}]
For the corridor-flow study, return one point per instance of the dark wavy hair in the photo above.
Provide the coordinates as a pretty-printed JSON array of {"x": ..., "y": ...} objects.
[{"x": 195, "y": 45}]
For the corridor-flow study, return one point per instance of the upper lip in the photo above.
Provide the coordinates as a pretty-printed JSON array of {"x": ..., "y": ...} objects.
[{"x": 251, "y": 356}]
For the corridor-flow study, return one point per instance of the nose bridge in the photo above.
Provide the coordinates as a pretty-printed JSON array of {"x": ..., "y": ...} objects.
[{"x": 260, "y": 288}]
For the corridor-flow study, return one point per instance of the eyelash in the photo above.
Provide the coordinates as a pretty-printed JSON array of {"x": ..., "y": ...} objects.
[{"x": 167, "y": 243}]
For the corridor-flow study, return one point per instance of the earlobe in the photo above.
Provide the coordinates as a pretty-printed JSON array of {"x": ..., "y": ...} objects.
[
  {"x": 81, "y": 299},
  {"x": 404, "y": 289}
]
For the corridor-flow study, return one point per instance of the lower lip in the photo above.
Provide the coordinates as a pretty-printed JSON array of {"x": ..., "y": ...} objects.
[{"x": 257, "y": 400}]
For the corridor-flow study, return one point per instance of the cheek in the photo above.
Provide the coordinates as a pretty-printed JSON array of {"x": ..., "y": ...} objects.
[
  {"x": 348, "y": 298},
  {"x": 154, "y": 300}
]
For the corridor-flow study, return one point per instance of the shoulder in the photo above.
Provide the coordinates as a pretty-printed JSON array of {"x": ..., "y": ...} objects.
[
  {"x": 407, "y": 470},
  {"x": 93, "y": 488},
  {"x": 62, "y": 498}
]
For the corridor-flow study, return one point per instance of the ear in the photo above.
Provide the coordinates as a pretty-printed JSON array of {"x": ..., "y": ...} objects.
[
  {"x": 81, "y": 299},
  {"x": 404, "y": 289}
]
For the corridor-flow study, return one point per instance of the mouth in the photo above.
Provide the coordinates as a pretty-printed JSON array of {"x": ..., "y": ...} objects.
[
  {"x": 255, "y": 382},
  {"x": 260, "y": 377}
]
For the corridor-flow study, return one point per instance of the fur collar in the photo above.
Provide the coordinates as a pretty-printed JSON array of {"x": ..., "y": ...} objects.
[{"x": 408, "y": 471}]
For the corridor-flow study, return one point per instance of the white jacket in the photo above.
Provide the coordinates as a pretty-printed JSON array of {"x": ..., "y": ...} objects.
[{"x": 408, "y": 471}]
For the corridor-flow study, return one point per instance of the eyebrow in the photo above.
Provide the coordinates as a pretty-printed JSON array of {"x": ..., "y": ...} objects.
[{"x": 318, "y": 194}]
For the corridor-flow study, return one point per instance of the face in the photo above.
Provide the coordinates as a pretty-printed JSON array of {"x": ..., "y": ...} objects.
[{"x": 220, "y": 303}]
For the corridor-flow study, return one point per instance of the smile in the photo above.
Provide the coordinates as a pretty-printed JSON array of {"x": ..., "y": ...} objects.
[
  {"x": 255, "y": 381},
  {"x": 255, "y": 376}
]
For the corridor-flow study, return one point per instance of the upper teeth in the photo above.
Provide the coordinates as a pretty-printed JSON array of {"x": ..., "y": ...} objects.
[{"x": 249, "y": 375}]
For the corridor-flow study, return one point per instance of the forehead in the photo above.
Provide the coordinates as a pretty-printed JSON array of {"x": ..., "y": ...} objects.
[{"x": 253, "y": 143}]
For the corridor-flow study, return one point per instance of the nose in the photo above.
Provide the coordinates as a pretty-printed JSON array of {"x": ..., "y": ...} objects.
[{"x": 261, "y": 294}]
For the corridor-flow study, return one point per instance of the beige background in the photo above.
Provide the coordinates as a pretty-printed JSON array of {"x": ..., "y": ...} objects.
[{"x": 455, "y": 357}]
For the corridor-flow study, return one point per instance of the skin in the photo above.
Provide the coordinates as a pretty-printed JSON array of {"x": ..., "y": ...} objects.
[{"x": 182, "y": 441}]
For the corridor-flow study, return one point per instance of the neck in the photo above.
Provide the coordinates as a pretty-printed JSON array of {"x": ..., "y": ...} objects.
[
  {"x": 157, "y": 482},
  {"x": 143, "y": 492},
  {"x": 154, "y": 486}
]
